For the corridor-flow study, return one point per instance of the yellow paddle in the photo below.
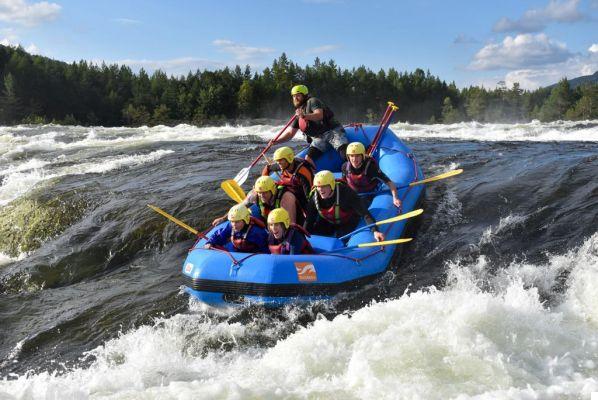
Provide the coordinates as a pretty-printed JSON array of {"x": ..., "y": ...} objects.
[
  {"x": 432, "y": 179},
  {"x": 372, "y": 244},
  {"x": 173, "y": 219},
  {"x": 233, "y": 190},
  {"x": 401, "y": 217},
  {"x": 438, "y": 177}
]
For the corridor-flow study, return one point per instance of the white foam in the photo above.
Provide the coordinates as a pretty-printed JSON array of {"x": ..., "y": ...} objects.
[
  {"x": 6, "y": 259},
  {"x": 535, "y": 131},
  {"x": 504, "y": 224},
  {"x": 16, "y": 182},
  {"x": 484, "y": 336}
]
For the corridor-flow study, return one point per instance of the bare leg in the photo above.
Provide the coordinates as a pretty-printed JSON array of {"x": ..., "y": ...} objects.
[{"x": 289, "y": 203}]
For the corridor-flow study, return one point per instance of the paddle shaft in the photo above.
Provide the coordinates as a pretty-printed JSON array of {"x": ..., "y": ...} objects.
[
  {"x": 271, "y": 143},
  {"x": 383, "y": 126},
  {"x": 427, "y": 180},
  {"x": 398, "y": 218},
  {"x": 173, "y": 219},
  {"x": 362, "y": 245}
]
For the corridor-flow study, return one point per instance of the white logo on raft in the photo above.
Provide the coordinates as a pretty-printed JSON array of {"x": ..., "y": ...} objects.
[
  {"x": 188, "y": 268},
  {"x": 306, "y": 272}
]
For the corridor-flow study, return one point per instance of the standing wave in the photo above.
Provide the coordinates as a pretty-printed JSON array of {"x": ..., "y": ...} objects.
[{"x": 502, "y": 342}]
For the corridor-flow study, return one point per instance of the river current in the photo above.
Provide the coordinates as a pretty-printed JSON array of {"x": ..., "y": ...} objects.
[{"x": 496, "y": 298}]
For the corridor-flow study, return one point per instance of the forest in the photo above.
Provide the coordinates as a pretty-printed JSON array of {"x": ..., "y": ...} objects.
[{"x": 36, "y": 90}]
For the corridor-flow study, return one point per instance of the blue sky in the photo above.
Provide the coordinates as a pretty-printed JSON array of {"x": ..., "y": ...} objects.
[{"x": 533, "y": 42}]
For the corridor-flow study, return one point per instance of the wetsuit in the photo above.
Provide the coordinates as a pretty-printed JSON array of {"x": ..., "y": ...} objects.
[
  {"x": 253, "y": 238},
  {"x": 337, "y": 215}
]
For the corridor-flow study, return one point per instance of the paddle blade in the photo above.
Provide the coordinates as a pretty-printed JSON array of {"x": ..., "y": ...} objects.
[
  {"x": 233, "y": 190},
  {"x": 242, "y": 176},
  {"x": 173, "y": 219},
  {"x": 438, "y": 177},
  {"x": 385, "y": 243},
  {"x": 401, "y": 217}
]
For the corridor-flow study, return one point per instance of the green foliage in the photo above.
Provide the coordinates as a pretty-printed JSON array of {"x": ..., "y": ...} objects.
[
  {"x": 558, "y": 102},
  {"x": 29, "y": 221},
  {"x": 35, "y": 89}
]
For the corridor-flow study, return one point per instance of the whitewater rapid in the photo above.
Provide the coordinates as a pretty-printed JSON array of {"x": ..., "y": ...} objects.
[
  {"x": 510, "y": 310},
  {"x": 463, "y": 341}
]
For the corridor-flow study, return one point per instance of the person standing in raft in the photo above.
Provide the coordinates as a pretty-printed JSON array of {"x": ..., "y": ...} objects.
[
  {"x": 243, "y": 233},
  {"x": 317, "y": 122},
  {"x": 268, "y": 196},
  {"x": 335, "y": 209},
  {"x": 363, "y": 174},
  {"x": 296, "y": 175},
  {"x": 285, "y": 237}
]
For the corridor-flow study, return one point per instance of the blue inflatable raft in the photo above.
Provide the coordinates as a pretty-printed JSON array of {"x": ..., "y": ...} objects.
[{"x": 219, "y": 278}]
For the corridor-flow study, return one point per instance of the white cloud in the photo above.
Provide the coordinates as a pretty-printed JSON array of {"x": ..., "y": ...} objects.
[
  {"x": 176, "y": 66},
  {"x": 19, "y": 11},
  {"x": 593, "y": 48},
  {"x": 321, "y": 49},
  {"x": 521, "y": 51},
  {"x": 241, "y": 52},
  {"x": 126, "y": 21},
  {"x": 532, "y": 78},
  {"x": 10, "y": 38},
  {"x": 536, "y": 20}
]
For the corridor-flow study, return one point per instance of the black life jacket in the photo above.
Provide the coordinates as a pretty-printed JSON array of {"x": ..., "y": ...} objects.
[
  {"x": 360, "y": 182},
  {"x": 284, "y": 247},
  {"x": 326, "y": 120},
  {"x": 241, "y": 243},
  {"x": 334, "y": 214}
]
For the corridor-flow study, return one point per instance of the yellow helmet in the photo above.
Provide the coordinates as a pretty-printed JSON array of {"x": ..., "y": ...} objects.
[
  {"x": 284, "y": 152},
  {"x": 239, "y": 213},
  {"x": 324, "y": 178},
  {"x": 279, "y": 215},
  {"x": 299, "y": 89},
  {"x": 355, "y": 148},
  {"x": 265, "y": 184}
]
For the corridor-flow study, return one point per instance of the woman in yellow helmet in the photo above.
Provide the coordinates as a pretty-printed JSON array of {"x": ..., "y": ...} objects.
[
  {"x": 243, "y": 233},
  {"x": 363, "y": 174},
  {"x": 285, "y": 237},
  {"x": 296, "y": 174},
  {"x": 335, "y": 209},
  {"x": 317, "y": 122},
  {"x": 267, "y": 195}
]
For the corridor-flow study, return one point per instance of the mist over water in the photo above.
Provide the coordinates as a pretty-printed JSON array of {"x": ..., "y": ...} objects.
[{"x": 495, "y": 298}]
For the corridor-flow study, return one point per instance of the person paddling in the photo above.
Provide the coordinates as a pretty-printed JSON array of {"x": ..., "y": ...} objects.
[
  {"x": 267, "y": 195},
  {"x": 243, "y": 233},
  {"x": 363, "y": 174},
  {"x": 317, "y": 122},
  {"x": 334, "y": 209},
  {"x": 284, "y": 237},
  {"x": 296, "y": 174}
]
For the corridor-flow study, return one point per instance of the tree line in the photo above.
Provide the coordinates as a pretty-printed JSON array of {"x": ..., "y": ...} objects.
[{"x": 37, "y": 89}]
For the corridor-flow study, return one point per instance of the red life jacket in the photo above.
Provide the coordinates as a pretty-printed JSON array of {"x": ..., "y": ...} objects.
[
  {"x": 335, "y": 214},
  {"x": 360, "y": 182},
  {"x": 241, "y": 243},
  {"x": 291, "y": 180},
  {"x": 303, "y": 124},
  {"x": 284, "y": 247}
]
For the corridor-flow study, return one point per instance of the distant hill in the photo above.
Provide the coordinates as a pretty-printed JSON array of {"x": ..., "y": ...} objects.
[{"x": 581, "y": 80}]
